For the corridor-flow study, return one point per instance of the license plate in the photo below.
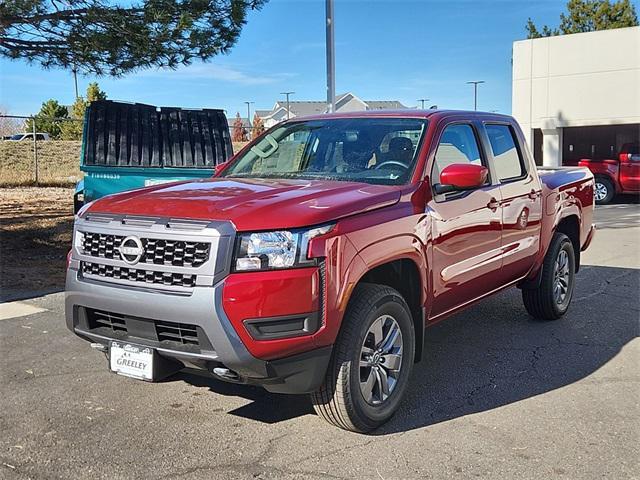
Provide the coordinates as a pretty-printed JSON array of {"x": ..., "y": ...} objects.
[{"x": 131, "y": 360}]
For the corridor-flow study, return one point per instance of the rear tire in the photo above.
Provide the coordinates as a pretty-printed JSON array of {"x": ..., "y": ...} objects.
[
  {"x": 551, "y": 299},
  {"x": 360, "y": 392},
  {"x": 604, "y": 190}
]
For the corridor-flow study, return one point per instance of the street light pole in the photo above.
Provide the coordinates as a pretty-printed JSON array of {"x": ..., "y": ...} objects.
[
  {"x": 475, "y": 84},
  {"x": 249, "y": 115},
  {"x": 249, "y": 112},
  {"x": 422, "y": 100},
  {"x": 331, "y": 59},
  {"x": 287, "y": 94}
]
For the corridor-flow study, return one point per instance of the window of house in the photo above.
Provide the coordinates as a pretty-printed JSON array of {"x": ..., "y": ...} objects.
[
  {"x": 506, "y": 156},
  {"x": 458, "y": 144}
]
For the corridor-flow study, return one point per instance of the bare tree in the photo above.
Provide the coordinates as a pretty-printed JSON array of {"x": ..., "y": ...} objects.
[{"x": 9, "y": 126}]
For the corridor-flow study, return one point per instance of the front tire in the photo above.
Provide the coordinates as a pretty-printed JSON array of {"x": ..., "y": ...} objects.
[
  {"x": 551, "y": 299},
  {"x": 604, "y": 190},
  {"x": 371, "y": 363}
]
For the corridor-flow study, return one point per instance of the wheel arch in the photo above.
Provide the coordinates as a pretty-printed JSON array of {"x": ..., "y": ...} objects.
[
  {"x": 611, "y": 178},
  {"x": 570, "y": 226},
  {"x": 403, "y": 275}
]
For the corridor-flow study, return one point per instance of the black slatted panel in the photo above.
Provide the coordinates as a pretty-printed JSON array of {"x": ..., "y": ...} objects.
[
  {"x": 156, "y": 139},
  {"x": 124, "y": 142},
  {"x": 137, "y": 135},
  {"x": 134, "y": 132}
]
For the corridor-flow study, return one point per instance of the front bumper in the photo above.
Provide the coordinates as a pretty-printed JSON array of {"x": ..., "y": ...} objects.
[{"x": 202, "y": 307}]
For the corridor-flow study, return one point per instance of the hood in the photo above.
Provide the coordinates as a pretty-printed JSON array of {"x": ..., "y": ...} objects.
[{"x": 252, "y": 204}]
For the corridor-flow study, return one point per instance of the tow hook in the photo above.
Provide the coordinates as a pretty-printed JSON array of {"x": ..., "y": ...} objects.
[{"x": 99, "y": 346}]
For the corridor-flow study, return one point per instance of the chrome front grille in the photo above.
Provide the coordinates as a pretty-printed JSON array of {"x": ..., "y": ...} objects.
[
  {"x": 138, "y": 275},
  {"x": 157, "y": 251},
  {"x": 152, "y": 252}
]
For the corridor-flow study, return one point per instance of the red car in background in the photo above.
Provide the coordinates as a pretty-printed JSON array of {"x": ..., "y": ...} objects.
[{"x": 616, "y": 176}]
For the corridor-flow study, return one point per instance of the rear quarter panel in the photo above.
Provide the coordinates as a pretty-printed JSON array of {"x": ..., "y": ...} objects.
[{"x": 566, "y": 192}]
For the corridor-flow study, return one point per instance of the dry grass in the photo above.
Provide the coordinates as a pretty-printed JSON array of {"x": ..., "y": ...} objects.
[
  {"x": 58, "y": 163},
  {"x": 35, "y": 236},
  {"x": 36, "y": 223}
]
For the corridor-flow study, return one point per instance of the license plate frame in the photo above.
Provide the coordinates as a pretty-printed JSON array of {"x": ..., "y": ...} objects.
[{"x": 132, "y": 360}]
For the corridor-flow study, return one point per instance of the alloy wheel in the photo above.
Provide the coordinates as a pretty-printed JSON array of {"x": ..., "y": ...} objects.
[
  {"x": 601, "y": 191},
  {"x": 561, "y": 277},
  {"x": 380, "y": 360}
]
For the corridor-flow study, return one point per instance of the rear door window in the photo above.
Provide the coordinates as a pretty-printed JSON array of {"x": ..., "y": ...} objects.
[{"x": 507, "y": 158}]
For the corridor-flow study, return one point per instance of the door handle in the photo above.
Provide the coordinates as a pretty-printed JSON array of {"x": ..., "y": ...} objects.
[
  {"x": 533, "y": 195},
  {"x": 493, "y": 204}
]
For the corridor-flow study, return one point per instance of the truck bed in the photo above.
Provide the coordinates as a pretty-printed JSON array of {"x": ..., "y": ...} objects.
[{"x": 557, "y": 177}]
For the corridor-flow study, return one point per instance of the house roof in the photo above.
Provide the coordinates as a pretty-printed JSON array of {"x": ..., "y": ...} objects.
[
  {"x": 300, "y": 108},
  {"x": 304, "y": 108},
  {"x": 384, "y": 104}
]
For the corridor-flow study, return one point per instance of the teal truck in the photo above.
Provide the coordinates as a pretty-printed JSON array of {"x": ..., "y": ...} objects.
[{"x": 132, "y": 145}]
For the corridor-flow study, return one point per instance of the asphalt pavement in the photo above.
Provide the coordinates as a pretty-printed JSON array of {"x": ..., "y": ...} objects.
[{"x": 498, "y": 395}]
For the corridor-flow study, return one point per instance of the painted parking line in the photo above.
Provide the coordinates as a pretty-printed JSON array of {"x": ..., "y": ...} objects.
[{"x": 18, "y": 309}]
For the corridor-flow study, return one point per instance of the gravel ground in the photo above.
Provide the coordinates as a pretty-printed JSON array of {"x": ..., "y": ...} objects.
[{"x": 498, "y": 395}]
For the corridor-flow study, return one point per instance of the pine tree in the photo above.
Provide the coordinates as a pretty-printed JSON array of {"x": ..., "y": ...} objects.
[
  {"x": 44, "y": 119},
  {"x": 94, "y": 36},
  {"x": 73, "y": 130},
  {"x": 238, "y": 132},
  {"x": 589, "y": 16},
  {"x": 258, "y": 126}
]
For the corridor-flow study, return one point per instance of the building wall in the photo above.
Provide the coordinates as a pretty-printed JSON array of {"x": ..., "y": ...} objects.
[{"x": 583, "y": 79}]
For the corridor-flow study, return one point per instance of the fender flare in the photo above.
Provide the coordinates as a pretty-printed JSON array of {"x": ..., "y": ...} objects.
[{"x": 374, "y": 255}]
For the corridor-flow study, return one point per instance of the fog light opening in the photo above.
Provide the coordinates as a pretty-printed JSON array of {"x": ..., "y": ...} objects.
[{"x": 226, "y": 374}]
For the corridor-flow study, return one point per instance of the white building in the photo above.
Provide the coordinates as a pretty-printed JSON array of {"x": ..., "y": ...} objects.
[
  {"x": 578, "y": 96},
  {"x": 346, "y": 102}
]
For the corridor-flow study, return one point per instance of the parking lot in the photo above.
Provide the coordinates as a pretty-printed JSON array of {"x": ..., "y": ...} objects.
[{"x": 497, "y": 395}]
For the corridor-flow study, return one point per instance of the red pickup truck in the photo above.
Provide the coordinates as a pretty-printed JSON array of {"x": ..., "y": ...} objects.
[
  {"x": 317, "y": 257},
  {"x": 616, "y": 176}
]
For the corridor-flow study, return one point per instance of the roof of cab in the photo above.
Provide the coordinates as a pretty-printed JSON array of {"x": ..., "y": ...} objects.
[{"x": 406, "y": 113}]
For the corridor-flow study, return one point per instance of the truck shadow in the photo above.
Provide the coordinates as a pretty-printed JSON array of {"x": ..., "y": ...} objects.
[{"x": 492, "y": 355}]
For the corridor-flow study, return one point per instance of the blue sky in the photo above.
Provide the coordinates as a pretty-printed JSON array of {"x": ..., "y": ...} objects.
[{"x": 385, "y": 50}]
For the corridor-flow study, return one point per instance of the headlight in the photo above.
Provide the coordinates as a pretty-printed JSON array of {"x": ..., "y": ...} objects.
[{"x": 275, "y": 250}]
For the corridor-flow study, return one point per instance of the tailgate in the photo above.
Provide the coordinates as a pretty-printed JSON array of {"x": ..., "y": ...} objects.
[{"x": 118, "y": 134}]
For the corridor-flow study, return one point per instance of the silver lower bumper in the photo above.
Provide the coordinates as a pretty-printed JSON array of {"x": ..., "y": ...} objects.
[{"x": 202, "y": 307}]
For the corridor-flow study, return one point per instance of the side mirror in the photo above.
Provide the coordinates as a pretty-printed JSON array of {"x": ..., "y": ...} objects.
[
  {"x": 219, "y": 168},
  {"x": 461, "y": 176}
]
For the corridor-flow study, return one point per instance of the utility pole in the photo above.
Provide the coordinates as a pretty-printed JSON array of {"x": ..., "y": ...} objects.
[
  {"x": 249, "y": 118},
  {"x": 422, "y": 100},
  {"x": 249, "y": 112},
  {"x": 475, "y": 84},
  {"x": 331, "y": 58},
  {"x": 287, "y": 94},
  {"x": 75, "y": 79}
]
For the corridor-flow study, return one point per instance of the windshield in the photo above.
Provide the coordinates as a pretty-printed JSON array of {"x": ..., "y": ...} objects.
[{"x": 371, "y": 150}]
